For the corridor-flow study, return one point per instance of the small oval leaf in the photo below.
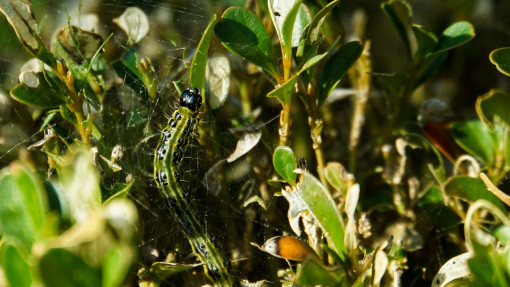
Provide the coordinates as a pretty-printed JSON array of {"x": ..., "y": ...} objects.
[
  {"x": 455, "y": 35},
  {"x": 285, "y": 163}
]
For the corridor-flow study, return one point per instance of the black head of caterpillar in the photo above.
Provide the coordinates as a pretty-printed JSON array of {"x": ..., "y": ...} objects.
[{"x": 191, "y": 99}]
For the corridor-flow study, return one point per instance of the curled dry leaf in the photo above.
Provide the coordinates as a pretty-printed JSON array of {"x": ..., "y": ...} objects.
[
  {"x": 246, "y": 283},
  {"x": 29, "y": 72},
  {"x": 245, "y": 144},
  {"x": 87, "y": 22},
  {"x": 453, "y": 269},
  {"x": 212, "y": 179},
  {"x": 29, "y": 79},
  {"x": 351, "y": 239},
  {"x": 255, "y": 199},
  {"x": 218, "y": 80},
  {"x": 351, "y": 201},
  {"x": 20, "y": 16},
  {"x": 78, "y": 43},
  {"x": 338, "y": 177},
  {"x": 380, "y": 264},
  {"x": 34, "y": 65},
  {"x": 134, "y": 23}
]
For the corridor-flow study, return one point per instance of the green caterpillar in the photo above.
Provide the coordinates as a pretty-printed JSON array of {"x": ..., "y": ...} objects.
[{"x": 167, "y": 174}]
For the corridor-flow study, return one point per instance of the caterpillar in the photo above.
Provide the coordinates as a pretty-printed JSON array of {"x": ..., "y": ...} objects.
[{"x": 168, "y": 156}]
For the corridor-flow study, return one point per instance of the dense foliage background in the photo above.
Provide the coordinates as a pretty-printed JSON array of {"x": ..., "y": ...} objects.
[{"x": 372, "y": 136}]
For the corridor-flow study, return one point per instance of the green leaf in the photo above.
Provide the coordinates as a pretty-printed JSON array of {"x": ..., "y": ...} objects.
[
  {"x": 85, "y": 77},
  {"x": 471, "y": 189},
  {"x": 476, "y": 138},
  {"x": 494, "y": 103},
  {"x": 284, "y": 92},
  {"x": 310, "y": 58},
  {"x": 429, "y": 67},
  {"x": 324, "y": 209},
  {"x": 336, "y": 67},
  {"x": 140, "y": 78},
  {"x": 501, "y": 58},
  {"x": 285, "y": 163},
  {"x": 338, "y": 177},
  {"x": 23, "y": 207},
  {"x": 425, "y": 39},
  {"x": 502, "y": 234},
  {"x": 115, "y": 267},
  {"x": 119, "y": 190},
  {"x": 433, "y": 207},
  {"x": 61, "y": 268},
  {"x": 289, "y": 19},
  {"x": 199, "y": 62},
  {"x": 241, "y": 32},
  {"x": 288, "y": 28},
  {"x": 313, "y": 198},
  {"x": 393, "y": 84},
  {"x": 486, "y": 266},
  {"x": 455, "y": 35},
  {"x": 15, "y": 267},
  {"x": 313, "y": 29},
  {"x": 22, "y": 20},
  {"x": 36, "y": 91},
  {"x": 315, "y": 273},
  {"x": 67, "y": 115},
  {"x": 390, "y": 12},
  {"x": 79, "y": 180}
]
